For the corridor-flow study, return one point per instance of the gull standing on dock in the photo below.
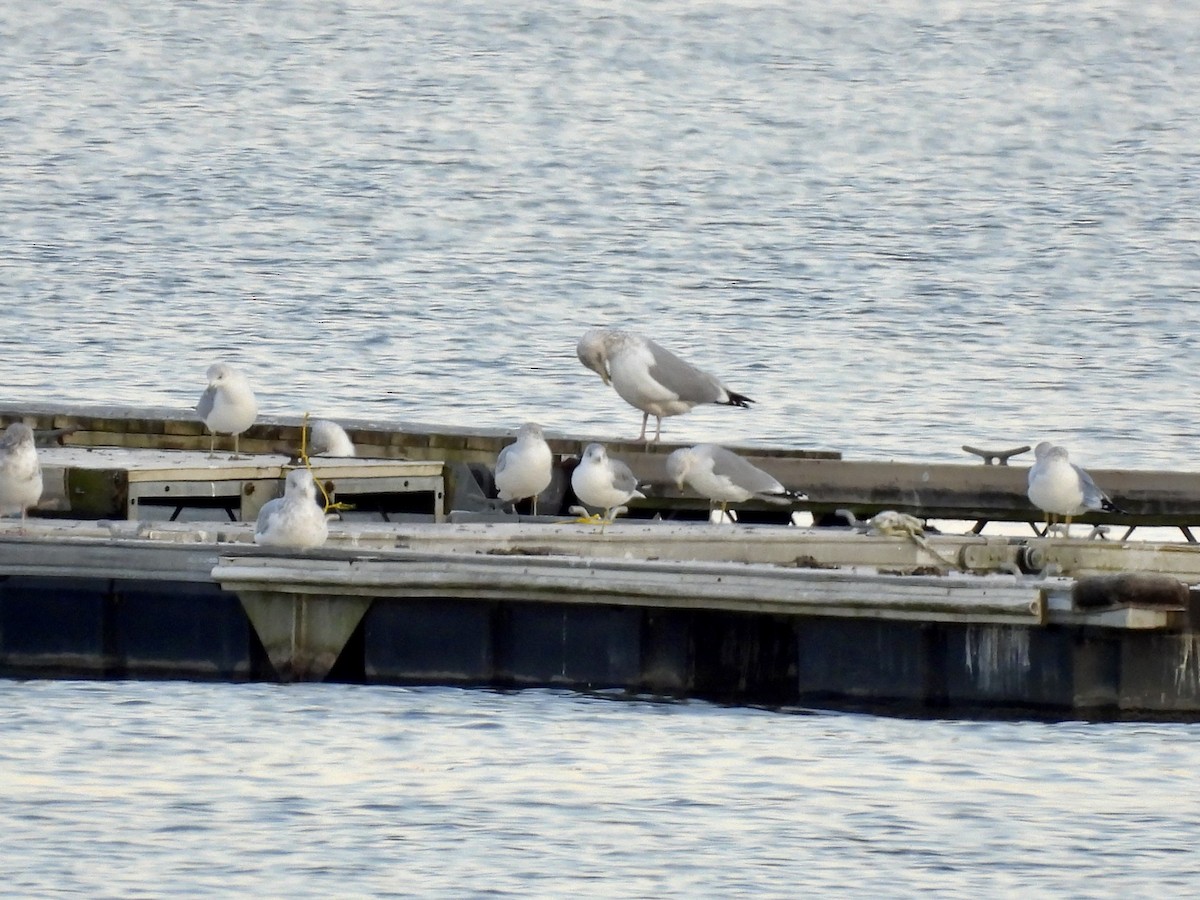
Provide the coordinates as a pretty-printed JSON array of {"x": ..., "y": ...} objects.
[
  {"x": 724, "y": 477},
  {"x": 1058, "y": 487},
  {"x": 20, "y": 472},
  {"x": 328, "y": 438},
  {"x": 524, "y": 469},
  {"x": 604, "y": 483},
  {"x": 227, "y": 405},
  {"x": 296, "y": 520},
  {"x": 649, "y": 377}
]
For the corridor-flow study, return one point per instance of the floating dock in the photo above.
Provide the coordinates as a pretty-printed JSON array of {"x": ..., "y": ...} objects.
[{"x": 414, "y": 589}]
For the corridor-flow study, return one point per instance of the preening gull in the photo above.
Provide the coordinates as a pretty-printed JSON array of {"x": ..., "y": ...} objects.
[
  {"x": 296, "y": 520},
  {"x": 1058, "y": 487},
  {"x": 604, "y": 483},
  {"x": 227, "y": 405},
  {"x": 724, "y": 477},
  {"x": 20, "y": 473},
  {"x": 328, "y": 438},
  {"x": 649, "y": 377},
  {"x": 524, "y": 469}
]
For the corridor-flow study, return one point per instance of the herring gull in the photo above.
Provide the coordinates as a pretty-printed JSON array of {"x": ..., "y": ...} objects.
[
  {"x": 724, "y": 477},
  {"x": 328, "y": 438},
  {"x": 227, "y": 405},
  {"x": 649, "y": 377},
  {"x": 20, "y": 473},
  {"x": 296, "y": 520},
  {"x": 1058, "y": 487},
  {"x": 524, "y": 469},
  {"x": 604, "y": 483}
]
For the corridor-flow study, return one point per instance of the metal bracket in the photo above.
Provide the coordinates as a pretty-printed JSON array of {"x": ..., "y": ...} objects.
[{"x": 991, "y": 556}]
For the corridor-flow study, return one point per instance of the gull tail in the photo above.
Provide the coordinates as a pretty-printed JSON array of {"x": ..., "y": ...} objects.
[{"x": 736, "y": 399}]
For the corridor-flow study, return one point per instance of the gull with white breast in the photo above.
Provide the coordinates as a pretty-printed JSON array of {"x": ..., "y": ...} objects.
[
  {"x": 1058, "y": 487},
  {"x": 651, "y": 378},
  {"x": 719, "y": 474},
  {"x": 524, "y": 469},
  {"x": 296, "y": 520},
  {"x": 227, "y": 405},
  {"x": 20, "y": 471},
  {"x": 604, "y": 483},
  {"x": 328, "y": 438}
]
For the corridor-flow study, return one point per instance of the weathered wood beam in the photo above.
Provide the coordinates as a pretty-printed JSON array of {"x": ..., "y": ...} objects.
[
  {"x": 732, "y": 587},
  {"x": 972, "y": 492}
]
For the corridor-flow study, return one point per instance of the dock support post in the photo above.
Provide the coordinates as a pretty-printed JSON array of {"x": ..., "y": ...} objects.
[{"x": 303, "y": 634}]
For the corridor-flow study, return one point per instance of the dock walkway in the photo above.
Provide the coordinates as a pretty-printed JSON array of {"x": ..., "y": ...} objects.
[{"x": 970, "y": 491}]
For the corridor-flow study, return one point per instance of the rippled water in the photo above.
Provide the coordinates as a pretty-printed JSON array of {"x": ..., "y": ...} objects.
[
  {"x": 900, "y": 226},
  {"x": 126, "y": 789}
]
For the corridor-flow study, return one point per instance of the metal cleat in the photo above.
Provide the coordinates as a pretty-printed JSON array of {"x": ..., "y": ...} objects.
[{"x": 996, "y": 457}]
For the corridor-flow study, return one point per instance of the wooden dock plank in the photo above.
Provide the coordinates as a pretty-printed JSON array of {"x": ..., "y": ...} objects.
[
  {"x": 106, "y": 481},
  {"x": 423, "y": 568},
  {"x": 742, "y": 588},
  {"x": 973, "y": 492},
  {"x": 679, "y": 542}
]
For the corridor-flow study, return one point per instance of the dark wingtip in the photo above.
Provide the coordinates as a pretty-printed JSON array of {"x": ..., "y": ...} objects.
[
  {"x": 739, "y": 400},
  {"x": 1108, "y": 506}
]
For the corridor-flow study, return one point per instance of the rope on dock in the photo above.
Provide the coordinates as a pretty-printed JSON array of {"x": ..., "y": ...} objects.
[
  {"x": 304, "y": 458},
  {"x": 897, "y": 524}
]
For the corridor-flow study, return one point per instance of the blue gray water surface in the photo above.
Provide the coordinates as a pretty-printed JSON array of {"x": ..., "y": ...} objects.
[
  {"x": 124, "y": 790},
  {"x": 900, "y": 226}
]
